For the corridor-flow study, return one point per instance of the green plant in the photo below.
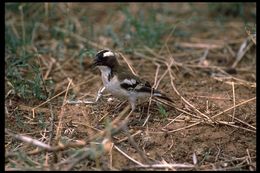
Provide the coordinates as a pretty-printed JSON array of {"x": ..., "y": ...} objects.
[
  {"x": 144, "y": 29},
  {"x": 162, "y": 111},
  {"x": 22, "y": 70}
]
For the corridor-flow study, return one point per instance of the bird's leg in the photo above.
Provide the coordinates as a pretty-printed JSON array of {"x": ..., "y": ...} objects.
[
  {"x": 132, "y": 101},
  {"x": 99, "y": 94},
  {"x": 124, "y": 122}
]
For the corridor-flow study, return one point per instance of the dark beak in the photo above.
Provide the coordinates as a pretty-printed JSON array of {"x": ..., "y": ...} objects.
[{"x": 95, "y": 63}]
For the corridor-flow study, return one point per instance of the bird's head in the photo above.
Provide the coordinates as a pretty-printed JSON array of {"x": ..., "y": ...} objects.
[{"x": 105, "y": 58}]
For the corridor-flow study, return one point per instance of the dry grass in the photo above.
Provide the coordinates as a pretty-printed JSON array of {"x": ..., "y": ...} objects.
[{"x": 205, "y": 63}]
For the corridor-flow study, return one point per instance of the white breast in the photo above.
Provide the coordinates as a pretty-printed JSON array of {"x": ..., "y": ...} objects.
[
  {"x": 105, "y": 72},
  {"x": 113, "y": 86}
]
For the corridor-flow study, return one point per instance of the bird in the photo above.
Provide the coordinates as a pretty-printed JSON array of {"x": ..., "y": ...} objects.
[{"x": 121, "y": 82}]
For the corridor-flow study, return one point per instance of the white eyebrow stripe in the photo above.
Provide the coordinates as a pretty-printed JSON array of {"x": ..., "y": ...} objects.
[{"x": 108, "y": 54}]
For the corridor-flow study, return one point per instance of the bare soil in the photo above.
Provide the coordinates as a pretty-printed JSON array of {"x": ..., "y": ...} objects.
[{"x": 228, "y": 142}]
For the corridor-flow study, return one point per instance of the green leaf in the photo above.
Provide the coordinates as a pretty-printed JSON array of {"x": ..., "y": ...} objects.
[{"x": 162, "y": 111}]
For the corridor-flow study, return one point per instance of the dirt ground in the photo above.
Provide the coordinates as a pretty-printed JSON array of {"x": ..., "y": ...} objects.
[{"x": 210, "y": 126}]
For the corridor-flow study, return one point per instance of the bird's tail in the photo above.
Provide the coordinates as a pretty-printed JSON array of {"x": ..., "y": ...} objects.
[
  {"x": 161, "y": 95},
  {"x": 155, "y": 93}
]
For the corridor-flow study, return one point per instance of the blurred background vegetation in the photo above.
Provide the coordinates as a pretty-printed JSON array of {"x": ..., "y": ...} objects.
[
  {"x": 33, "y": 29},
  {"x": 47, "y": 44}
]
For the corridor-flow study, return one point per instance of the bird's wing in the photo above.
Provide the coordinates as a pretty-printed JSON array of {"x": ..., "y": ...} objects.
[{"x": 132, "y": 82}]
